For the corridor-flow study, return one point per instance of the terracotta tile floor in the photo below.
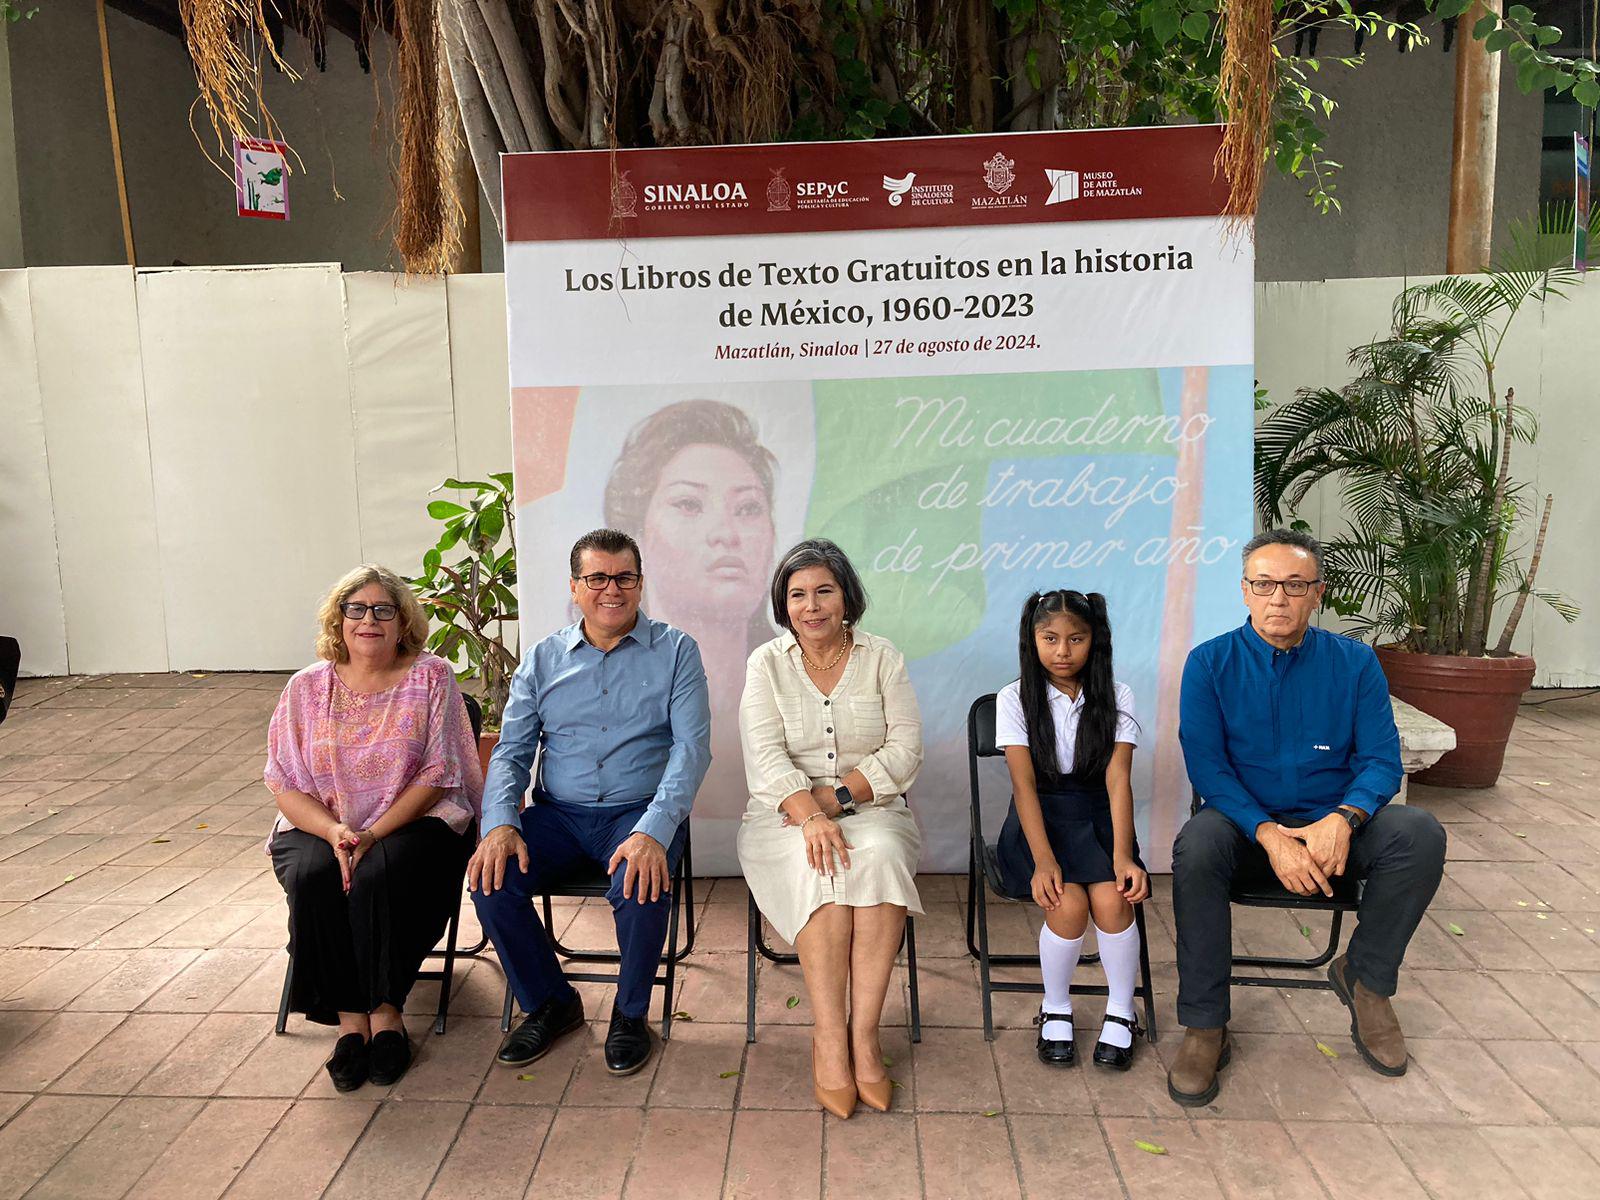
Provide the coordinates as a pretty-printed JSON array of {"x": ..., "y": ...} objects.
[{"x": 141, "y": 955}]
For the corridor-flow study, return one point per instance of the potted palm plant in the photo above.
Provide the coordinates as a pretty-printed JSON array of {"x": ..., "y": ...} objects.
[
  {"x": 1440, "y": 539},
  {"x": 473, "y": 598}
]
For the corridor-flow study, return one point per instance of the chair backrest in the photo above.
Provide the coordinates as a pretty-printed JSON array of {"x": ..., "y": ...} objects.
[
  {"x": 10, "y": 665},
  {"x": 980, "y": 744},
  {"x": 474, "y": 714}
]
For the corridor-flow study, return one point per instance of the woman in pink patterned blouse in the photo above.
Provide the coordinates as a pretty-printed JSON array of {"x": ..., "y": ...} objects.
[{"x": 375, "y": 771}]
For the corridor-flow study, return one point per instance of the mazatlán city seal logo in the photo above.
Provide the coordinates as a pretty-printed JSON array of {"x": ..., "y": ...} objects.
[
  {"x": 998, "y": 174},
  {"x": 624, "y": 197},
  {"x": 778, "y": 191}
]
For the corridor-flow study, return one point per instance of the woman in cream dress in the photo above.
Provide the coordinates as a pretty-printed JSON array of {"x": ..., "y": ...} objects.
[{"x": 832, "y": 742}]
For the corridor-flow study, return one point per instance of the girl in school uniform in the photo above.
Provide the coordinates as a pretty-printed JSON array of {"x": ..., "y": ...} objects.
[{"x": 1068, "y": 732}]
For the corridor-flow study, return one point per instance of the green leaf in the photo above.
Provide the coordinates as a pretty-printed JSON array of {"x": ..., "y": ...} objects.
[
  {"x": 159, "y": 841},
  {"x": 680, "y": 1015},
  {"x": 1197, "y": 27},
  {"x": 442, "y": 509},
  {"x": 503, "y": 478},
  {"x": 524, "y": 1078},
  {"x": 1149, "y": 1147},
  {"x": 1498, "y": 40},
  {"x": 1587, "y": 93},
  {"x": 1327, "y": 1050},
  {"x": 729, "y": 1074},
  {"x": 887, "y": 1061},
  {"x": 792, "y": 1002},
  {"x": 468, "y": 485},
  {"x": 1520, "y": 13},
  {"x": 1486, "y": 25},
  {"x": 1456, "y": 929},
  {"x": 991, "y": 1112}
]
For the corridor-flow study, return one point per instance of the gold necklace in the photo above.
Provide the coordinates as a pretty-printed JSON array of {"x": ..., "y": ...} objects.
[{"x": 821, "y": 670}]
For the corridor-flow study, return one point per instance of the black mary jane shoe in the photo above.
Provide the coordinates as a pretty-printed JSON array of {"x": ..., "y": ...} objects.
[
  {"x": 1054, "y": 1052},
  {"x": 390, "y": 1055},
  {"x": 350, "y": 1064},
  {"x": 627, "y": 1044},
  {"x": 1118, "y": 1058},
  {"x": 538, "y": 1033}
]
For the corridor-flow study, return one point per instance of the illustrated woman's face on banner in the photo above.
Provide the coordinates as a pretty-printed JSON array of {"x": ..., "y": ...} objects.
[{"x": 708, "y": 526}]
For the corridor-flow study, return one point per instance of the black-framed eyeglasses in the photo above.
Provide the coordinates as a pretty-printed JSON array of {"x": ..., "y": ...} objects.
[
  {"x": 597, "y": 582},
  {"x": 1291, "y": 587},
  {"x": 354, "y": 610}
]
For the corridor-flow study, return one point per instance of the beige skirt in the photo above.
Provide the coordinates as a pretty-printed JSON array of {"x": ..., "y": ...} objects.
[{"x": 884, "y": 847}]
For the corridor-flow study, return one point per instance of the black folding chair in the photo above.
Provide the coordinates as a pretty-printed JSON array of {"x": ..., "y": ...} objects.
[
  {"x": 981, "y": 860},
  {"x": 594, "y": 882},
  {"x": 1267, "y": 892},
  {"x": 10, "y": 667},
  {"x": 445, "y": 975},
  {"x": 756, "y": 943}
]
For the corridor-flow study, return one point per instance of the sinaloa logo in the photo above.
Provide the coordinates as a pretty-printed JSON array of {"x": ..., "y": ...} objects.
[
  {"x": 897, "y": 188},
  {"x": 1063, "y": 186}
]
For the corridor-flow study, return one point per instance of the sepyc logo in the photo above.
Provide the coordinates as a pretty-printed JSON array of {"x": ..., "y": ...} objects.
[
  {"x": 897, "y": 188},
  {"x": 1063, "y": 186},
  {"x": 919, "y": 194},
  {"x": 820, "y": 193},
  {"x": 676, "y": 197},
  {"x": 999, "y": 173}
]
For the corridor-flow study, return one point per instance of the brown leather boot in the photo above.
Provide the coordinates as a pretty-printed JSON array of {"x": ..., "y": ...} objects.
[
  {"x": 1373, "y": 1026},
  {"x": 1193, "y": 1081}
]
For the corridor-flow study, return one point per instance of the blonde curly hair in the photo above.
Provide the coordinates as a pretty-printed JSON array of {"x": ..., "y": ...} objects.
[{"x": 330, "y": 621}]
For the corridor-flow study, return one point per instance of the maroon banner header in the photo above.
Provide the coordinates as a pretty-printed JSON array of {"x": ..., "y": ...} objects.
[{"x": 900, "y": 183}]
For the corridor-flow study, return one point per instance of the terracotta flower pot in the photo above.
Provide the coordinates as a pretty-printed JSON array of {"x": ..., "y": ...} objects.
[
  {"x": 486, "y": 744},
  {"x": 1477, "y": 697}
]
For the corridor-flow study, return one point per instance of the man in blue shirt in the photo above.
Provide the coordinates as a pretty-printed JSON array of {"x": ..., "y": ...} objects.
[
  {"x": 1289, "y": 738},
  {"x": 618, "y": 704}
]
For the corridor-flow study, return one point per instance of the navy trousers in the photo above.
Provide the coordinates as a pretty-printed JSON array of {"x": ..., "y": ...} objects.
[{"x": 562, "y": 839}]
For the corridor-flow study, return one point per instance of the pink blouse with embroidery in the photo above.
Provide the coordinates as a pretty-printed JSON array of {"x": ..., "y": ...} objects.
[{"x": 357, "y": 752}]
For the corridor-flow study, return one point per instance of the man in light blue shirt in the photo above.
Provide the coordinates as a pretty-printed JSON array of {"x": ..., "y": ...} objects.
[{"x": 618, "y": 704}]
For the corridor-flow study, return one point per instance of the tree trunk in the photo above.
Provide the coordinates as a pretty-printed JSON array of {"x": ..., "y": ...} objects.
[{"x": 1477, "y": 122}]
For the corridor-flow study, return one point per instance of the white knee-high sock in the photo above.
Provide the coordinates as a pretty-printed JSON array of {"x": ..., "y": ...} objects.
[
  {"x": 1058, "y": 959},
  {"x": 1119, "y": 955}
]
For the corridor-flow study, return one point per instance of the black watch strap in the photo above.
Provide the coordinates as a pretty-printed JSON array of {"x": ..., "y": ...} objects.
[
  {"x": 1353, "y": 817},
  {"x": 847, "y": 803}
]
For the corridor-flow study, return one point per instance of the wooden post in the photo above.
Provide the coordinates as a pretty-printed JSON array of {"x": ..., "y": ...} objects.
[
  {"x": 116, "y": 132},
  {"x": 469, "y": 256},
  {"x": 1477, "y": 123}
]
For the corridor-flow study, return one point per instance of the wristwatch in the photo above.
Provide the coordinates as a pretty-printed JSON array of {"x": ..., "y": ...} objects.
[
  {"x": 1353, "y": 817},
  {"x": 847, "y": 803}
]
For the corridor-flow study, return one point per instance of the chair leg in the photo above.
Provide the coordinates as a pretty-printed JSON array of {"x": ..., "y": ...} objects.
[
  {"x": 688, "y": 898},
  {"x": 911, "y": 972},
  {"x": 983, "y": 964},
  {"x": 1146, "y": 986},
  {"x": 447, "y": 974},
  {"x": 505, "y": 1011},
  {"x": 753, "y": 920},
  {"x": 1306, "y": 964},
  {"x": 283, "y": 1000},
  {"x": 672, "y": 957},
  {"x": 972, "y": 900}
]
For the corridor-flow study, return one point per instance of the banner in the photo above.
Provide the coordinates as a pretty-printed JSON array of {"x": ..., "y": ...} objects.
[{"x": 983, "y": 365}]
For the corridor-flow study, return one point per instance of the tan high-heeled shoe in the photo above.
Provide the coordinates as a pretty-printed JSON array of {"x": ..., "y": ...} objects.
[
  {"x": 841, "y": 1102},
  {"x": 874, "y": 1094}
]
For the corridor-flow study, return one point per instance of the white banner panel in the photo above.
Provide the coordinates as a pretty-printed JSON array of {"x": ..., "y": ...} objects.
[{"x": 983, "y": 366}]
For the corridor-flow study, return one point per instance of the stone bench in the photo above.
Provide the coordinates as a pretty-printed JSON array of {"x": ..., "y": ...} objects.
[{"x": 1423, "y": 741}]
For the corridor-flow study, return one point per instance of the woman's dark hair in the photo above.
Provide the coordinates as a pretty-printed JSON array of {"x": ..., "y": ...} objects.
[
  {"x": 817, "y": 552},
  {"x": 1097, "y": 728},
  {"x": 653, "y": 443}
]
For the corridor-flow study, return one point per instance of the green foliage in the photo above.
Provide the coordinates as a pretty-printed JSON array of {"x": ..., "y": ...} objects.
[
  {"x": 471, "y": 599},
  {"x": 1522, "y": 39},
  {"x": 1419, "y": 443},
  {"x": 11, "y": 11}
]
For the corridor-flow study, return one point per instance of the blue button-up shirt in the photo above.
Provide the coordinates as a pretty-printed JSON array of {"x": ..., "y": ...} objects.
[
  {"x": 618, "y": 728},
  {"x": 1270, "y": 734}
]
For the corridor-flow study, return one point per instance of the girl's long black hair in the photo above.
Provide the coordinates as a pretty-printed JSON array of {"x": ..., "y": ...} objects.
[{"x": 1097, "y": 727}]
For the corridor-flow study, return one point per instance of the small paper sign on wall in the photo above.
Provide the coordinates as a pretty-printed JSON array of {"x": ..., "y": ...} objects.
[{"x": 261, "y": 177}]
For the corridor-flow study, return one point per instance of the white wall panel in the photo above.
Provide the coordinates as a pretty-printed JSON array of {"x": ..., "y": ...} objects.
[
  {"x": 252, "y": 455},
  {"x": 30, "y": 577},
  {"x": 397, "y": 337},
  {"x": 91, "y": 380}
]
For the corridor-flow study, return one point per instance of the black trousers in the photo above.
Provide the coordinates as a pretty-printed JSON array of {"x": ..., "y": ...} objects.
[
  {"x": 1399, "y": 852},
  {"x": 354, "y": 952}
]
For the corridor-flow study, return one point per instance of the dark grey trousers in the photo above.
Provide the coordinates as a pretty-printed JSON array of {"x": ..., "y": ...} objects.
[{"x": 1399, "y": 852}]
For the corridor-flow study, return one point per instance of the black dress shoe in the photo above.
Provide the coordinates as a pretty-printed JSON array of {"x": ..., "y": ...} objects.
[
  {"x": 1118, "y": 1058},
  {"x": 349, "y": 1065},
  {"x": 627, "y": 1044},
  {"x": 1054, "y": 1052},
  {"x": 390, "y": 1055},
  {"x": 533, "y": 1039}
]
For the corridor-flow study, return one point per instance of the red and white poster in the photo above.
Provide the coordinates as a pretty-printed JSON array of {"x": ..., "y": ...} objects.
[{"x": 983, "y": 365}]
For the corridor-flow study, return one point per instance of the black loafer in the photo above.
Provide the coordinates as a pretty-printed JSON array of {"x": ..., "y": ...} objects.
[
  {"x": 349, "y": 1066},
  {"x": 538, "y": 1033},
  {"x": 1055, "y": 1052},
  {"x": 390, "y": 1055},
  {"x": 1118, "y": 1058},
  {"x": 627, "y": 1044}
]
